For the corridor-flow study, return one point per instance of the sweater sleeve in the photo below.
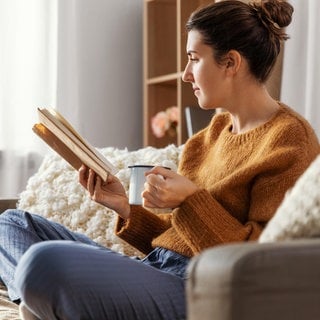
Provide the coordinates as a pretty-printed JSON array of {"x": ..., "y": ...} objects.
[
  {"x": 243, "y": 199},
  {"x": 203, "y": 222},
  {"x": 142, "y": 227},
  {"x": 242, "y": 178}
]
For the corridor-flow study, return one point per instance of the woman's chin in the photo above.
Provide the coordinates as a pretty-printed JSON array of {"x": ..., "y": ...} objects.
[{"x": 206, "y": 106}]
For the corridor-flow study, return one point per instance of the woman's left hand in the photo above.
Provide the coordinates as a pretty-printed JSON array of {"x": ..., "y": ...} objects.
[{"x": 165, "y": 188}]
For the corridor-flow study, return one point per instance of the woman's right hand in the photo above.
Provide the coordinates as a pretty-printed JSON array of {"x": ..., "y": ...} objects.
[{"x": 110, "y": 193}]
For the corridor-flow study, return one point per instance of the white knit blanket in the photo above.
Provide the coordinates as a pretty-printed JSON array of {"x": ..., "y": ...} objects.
[
  {"x": 54, "y": 192},
  {"x": 298, "y": 216}
]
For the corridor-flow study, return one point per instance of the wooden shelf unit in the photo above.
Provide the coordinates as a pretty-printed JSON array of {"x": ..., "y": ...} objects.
[{"x": 164, "y": 56}]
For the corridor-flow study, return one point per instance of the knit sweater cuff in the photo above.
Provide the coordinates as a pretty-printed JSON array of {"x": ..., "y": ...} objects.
[
  {"x": 205, "y": 225},
  {"x": 142, "y": 227}
]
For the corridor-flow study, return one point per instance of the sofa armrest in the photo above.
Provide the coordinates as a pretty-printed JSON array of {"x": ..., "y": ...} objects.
[
  {"x": 256, "y": 281},
  {"x": 7, "y": 204}
]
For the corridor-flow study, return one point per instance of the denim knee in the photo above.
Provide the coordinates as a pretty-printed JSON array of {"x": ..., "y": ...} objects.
[
  {"x": 40, "y": 271},
  {"x": 12, "y": 215}
]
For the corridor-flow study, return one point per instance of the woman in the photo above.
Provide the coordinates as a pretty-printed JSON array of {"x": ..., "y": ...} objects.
[{"x": 231, "y": 178}]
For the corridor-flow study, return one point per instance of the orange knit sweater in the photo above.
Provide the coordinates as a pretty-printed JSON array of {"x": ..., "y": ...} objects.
[{"x": 243, "y": 179}]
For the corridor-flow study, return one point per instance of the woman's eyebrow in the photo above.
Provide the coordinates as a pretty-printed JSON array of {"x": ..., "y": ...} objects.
[{"x": 189, "y": 52}]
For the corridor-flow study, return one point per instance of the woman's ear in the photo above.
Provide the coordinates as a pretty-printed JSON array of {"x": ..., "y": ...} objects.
[{"x": 233, "y": 61}]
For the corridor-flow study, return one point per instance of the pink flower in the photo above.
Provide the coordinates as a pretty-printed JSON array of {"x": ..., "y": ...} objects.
[
  {"x": 164, "y": 120},
  {"x": 160, "y": 124}
]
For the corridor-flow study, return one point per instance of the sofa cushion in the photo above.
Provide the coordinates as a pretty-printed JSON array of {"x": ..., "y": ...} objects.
[
  {"x": 298, "y": 216},
  {"x": 54, "y": 192}
]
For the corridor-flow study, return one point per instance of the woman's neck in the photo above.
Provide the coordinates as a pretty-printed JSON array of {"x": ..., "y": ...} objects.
[{"x": 253, "y": 110}]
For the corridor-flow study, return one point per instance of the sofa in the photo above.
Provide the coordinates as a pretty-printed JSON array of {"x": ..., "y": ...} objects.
[{"x": 276, "y": 277}]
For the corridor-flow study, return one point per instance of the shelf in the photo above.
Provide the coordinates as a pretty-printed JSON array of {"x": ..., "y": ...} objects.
[
  {"x": 161, "y": 96},
  {"x": 161, "y": 21},
  {"x": 165, "y": 78},
  {"x": 164, "y": 50},
  {"x": 164, "y": 60}
]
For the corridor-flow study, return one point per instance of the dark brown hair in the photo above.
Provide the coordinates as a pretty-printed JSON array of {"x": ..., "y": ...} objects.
[{"x": 255, "y": 30}]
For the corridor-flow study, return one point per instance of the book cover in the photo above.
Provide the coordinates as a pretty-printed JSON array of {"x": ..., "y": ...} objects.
[{"x": 61, "y": 136}]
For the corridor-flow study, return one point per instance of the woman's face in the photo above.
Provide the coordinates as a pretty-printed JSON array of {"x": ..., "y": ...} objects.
[{"x": 204, "y": 73}]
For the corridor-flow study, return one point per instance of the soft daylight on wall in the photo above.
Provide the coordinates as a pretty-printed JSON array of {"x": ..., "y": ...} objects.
[{"x": 83, "y": 58}]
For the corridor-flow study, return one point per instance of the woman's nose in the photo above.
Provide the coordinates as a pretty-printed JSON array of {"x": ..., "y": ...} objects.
[{"x": 187, "y": 75}]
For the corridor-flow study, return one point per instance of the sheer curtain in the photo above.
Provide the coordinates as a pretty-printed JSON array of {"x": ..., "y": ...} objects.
[
  {"x": 82, "y": 57},
  {"x": 27, "y": 80},
  {"x": 301, "y": 68}
]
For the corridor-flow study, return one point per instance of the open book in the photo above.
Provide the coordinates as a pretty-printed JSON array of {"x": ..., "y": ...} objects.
[{"x": 58, "y": 133}]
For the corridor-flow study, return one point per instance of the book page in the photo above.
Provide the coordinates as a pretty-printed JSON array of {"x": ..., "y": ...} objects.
[
  {"x": 66, "y": 123},
  {"x": 66, "y": 127},
  {"x": 65, "y": 132}
]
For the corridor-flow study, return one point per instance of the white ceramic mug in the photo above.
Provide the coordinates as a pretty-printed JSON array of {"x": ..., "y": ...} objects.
[{"x": 137, "y": 180}]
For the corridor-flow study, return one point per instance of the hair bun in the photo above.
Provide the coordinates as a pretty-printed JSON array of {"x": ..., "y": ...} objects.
[{"x": 274, "y": 14}]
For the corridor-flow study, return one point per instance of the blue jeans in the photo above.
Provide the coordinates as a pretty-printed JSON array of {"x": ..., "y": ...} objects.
[{"x": 78, "y": 279}]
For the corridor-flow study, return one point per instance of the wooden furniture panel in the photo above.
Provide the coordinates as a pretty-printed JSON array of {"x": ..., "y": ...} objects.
[
  {"x": 164, "y": 56},
  {"x": 164, "y": 50}
]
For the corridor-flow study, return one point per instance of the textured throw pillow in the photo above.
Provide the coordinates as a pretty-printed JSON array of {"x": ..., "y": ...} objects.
[
  {"x": 54, "y": 192},
  {"x": 299, "y": 214}
]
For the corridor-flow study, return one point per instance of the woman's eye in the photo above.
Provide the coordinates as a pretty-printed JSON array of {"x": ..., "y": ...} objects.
[{"x": 192, "y": 59}]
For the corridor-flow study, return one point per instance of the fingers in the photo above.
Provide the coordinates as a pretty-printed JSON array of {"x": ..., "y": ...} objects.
[
  {"x": 164, "y": 172},
  {"x": 151, "y": 199},
  {"x": 156, "y": 180},
  {"x": 154, "y": 194},
  {"x": 91, "y": 182},
  {"x": 97, "y": 185},
  {"x": 149, "y": 204},
  {"x": 149, "y": 188},
  {"x": 155, "y": 187},
  {"x": 83, "y": 175},
  {"x": 88, "y": 179}
]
